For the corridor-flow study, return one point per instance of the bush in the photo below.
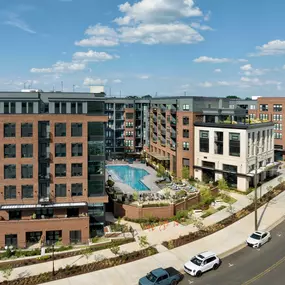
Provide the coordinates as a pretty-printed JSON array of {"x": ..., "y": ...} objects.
[
  {"x": 156, "y": 205},
  {"x": 44, "y": 257},
  {"x": 110, "y": 183},
  {"x": 222, "y": 184},
  {"x": 183, "y": 214},
  {"x": 221, "y": 208},
  {"x": 181, "y": 194}
]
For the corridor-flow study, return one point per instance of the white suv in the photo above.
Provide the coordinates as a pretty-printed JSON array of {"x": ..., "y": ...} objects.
[{"x": 201, "y": 263}]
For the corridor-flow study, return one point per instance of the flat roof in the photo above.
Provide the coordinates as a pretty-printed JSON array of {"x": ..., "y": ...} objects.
[{"x": 234, "y": 126}]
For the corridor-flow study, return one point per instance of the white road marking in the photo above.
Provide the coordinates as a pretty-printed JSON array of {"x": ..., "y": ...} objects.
[
  {"x": 230, "y": 264},
  {"x": 279, "y": 234},
  {"x": 190, "y": 281}
]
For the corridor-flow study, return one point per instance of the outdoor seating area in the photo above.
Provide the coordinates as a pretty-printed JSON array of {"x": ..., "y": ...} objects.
[{"x": 183, "y": 186}]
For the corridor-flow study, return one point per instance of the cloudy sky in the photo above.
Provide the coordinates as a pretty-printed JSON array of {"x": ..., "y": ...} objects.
[{"x": 172, "y": 47}]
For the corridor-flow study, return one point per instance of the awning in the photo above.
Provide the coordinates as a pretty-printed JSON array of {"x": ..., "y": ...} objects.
[
  {"x": 158, "y": 156},
  {"x": 264, "y": 168},
  {"x": 40, "y": 206}
]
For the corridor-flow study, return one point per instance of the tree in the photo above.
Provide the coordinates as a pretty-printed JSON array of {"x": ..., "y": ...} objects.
[
  {"x": 185, "y": 172},
  {"x": 143, "y": 242},
  {"x": 6, "y": 271},
  {"x": 135, "y": 196},
  {"x": 232, "y": 97},
  {"x": 87, "y": 252},
  {"x": 248, "y": 99},
  {"x": 231, "y": 209},
  {"x": 222, "y": 184},
  {"x": 115, "y": 249}
]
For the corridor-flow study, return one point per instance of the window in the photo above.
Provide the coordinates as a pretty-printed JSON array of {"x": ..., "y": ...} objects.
[
  {"x": 76, "y": 149},
  {"x": 79, "y": 108},
  {"x": 53, "y": 236},
  {"x": 11, "y": 240},
  {"x": 278, "y": 127},
  {"x": 6, "y": 108},
  {"x": 129, "y": 125},
  {"x": 185, "y": 133},
  {"x": 60, "y": 190},
  {"x": 230, "y": 174},
  {"x": 57, "y": 108},
  {"x": 24, "y": 107},
  {"x": 33, "y": 237},
  {"x": 63, "y": 108},
  {"x": 10, "y": 171},
  {"x": 277, "y": 108},
  {"x": 44, "y": 213},
  {"x": 76, "y": 169},
  {"x": 76, "y": 189},
  {"x": 278, "y": 135},
  {"x": 60, "y": 150},
  {"x": 72, "y": 212},
  {"x": 26, "y": 130},
  {"x": 15, "y": 215},
  {"x": 13, "y": 108},
  {"x": 75, "y": 237},
  {"x": 263, "y": 107},
  {"x": 27, "y": 191},
  {"x": 129, "y": 116},
  {"x": 9, "y": 150},
  {"x": 9, "y": 130},
  {"x": 27, "y": 150},
  {"x": 95, "y": 107},
  {"x": 185, "y": 145},
  {"x": 95, "y": 188},
  {"x": 30, "y": 107},
  {"x": 46, "y": 108},
  {"x": 60, "y": 129},
  {"x": 234, "y": 145},
  {"x": 252, "y": 107},
  {"x": 252, "y": 116},
  {"x": 185, "y": 121},
  {"x": 277, "y": 117},
  {"x": 27, "y": 170},
  {"x": 129, "y": 143},
  {"x": 95, "y": 167},
  {"x": 186, "y": 107},
  {"x": 60, "y": 170},
  {"x": 208, "y": 164},
  {"x": 219, "y": 142},
  {"x": 185, "y": 162},
  {"x": 9, "y": 192},
  {"x": 73, "y": 108},
  {"x": 76, "y": 129},
  {"x": 263, "y": 116},
  {"x": 96, "y": 148},
  {"x": 204, "y": 141}
]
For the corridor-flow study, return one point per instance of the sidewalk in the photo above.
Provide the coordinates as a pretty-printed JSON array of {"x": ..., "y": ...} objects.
[{"x": 128, "y": 274}]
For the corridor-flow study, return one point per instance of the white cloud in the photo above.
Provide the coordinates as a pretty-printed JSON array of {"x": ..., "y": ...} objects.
[
  {"x": 184, "y": 86},
  {"x": 207, "y": 16},
  {"x": 198, "y": 26},
  {"x": 92, "y": 56},
  {"x": 94, "y": 81},
  {"x": 225, "y": 83},
  {"x": 15, "y": 21},
  {"x": 143, "y": 76},
  {"x": 242, "y": 60},
  {"x": 246, "y": 67},
  {"x": 211, "y": 59},
  {"x": 157, "y": 11},
  {"x": 99, "y": 36},
  {"x": 217, "y": 70},
  {"x": 276, "y": 47},
  {"x": 117, "y": 81},
  {"x": 250, "y": 71},
  {"x": 61, "y": 67},
  {"x": 206, "y": 84},
  {"x": 257, "y": 82},
  {"x": 173, "y": 33}
]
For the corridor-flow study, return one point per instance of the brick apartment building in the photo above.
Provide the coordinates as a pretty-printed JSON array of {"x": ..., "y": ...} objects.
[
  {"x": 52, "y": 167},
  {"x": 172, "y": 129}
]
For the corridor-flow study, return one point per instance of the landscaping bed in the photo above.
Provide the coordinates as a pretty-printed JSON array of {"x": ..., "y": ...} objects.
[
  {"x": 40, "y": 259},
  {"x": 182, "y": 240},
  {"x": 70, "y": 271}
]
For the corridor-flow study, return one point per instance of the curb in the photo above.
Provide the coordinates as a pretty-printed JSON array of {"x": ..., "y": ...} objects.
[{"x": 275, "y": 224}]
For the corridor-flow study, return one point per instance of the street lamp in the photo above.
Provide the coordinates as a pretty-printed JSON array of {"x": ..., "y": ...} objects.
[{"x": 53, "y": 272}]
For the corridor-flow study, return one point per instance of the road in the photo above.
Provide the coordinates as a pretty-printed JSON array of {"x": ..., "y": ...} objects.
[{"x": 249, "y": 266}]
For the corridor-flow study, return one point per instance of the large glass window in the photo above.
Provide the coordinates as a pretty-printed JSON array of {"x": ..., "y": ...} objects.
[
  {"x": 204, "y": 141},
  {"x": 9, "y": 130},
  {"x": 27, "y": 171},
  {"x": 75, "y": 237},
  {"x": 219, "y": 142},
  {"x": 60, "y": 190},
  {"x": 277, "y": 108},
  {"x": 76, "y": 149},
  {"x": 26, "y": 130},
  {"x": 11, "y": 240},
  {"x": 10, "y": 192},
  {"x": 60, "y": 170},
  {"x": 230, "y": 174},
  {"x": 60, "y": 150},
  {"x": 95, "y": 107},
  {"x": 33, "y": 237},
  {"x": 76, "y": 129},
  {"x": 27, "y": 150},
  {"x": 234, "y": 144},
  {"x": 44, "y": 213},
  {"x": 53, "y": 236},
  {"x": 76, "y": 169},
  {"x": 95, "y": 129},
  {"x": 96, "y": 210},
  {"x": 60, "y": 129},
  {"x": 10, "y": 171},
  {"x": 27, "y": 191},
  {"x": 9, "y": 150},
  {"x": 95, "y": 188},
  {"x": 96, "y": 148},
  {"x": 95, "y": 167},
  {"x": 76, "y": 189},
  {"x": 263, "y": 107},
  {"x": 15, "y": 215}
]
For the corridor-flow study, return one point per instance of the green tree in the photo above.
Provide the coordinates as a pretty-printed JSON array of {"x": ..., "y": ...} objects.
[
  {"x": 135, "y": 196},
  {"x": 143, "y": 242},
  {"x": 115, "y": 249},
  {"x": 185, "y": 172},
  {"x": 87, "y": 252},
  {"x": 232, "y": 97},
  {"x": 222, "y": 184}
]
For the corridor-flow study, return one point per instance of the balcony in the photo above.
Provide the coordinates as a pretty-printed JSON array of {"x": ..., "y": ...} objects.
[
  {"x": 120, "y": 118},
  {"x": 162, "y": 121},
  {"x": 173, "y": 146},
  {"x": 163, "y": 132},
  {"x": 44, "y": 199},
  {"x": 44, "y": 136},
  {"x": 45, "y": 157},
  {"x": 154, "y": 130},
  {"x": 162, "y": 110},
  {"x": 45, "y": 177},
  {"x": 119, "y": 127},
  {"x": 173, "y": 123},
  {"x": 173, "y": 135},
  {"x": 173, "y": 110}
]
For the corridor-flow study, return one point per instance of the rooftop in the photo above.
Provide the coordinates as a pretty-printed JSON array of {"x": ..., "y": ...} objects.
[{"x": 252, "y": 124}]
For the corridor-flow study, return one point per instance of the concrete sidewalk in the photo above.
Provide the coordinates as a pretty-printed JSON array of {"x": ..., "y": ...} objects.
[{"x": 220, "y": 242}]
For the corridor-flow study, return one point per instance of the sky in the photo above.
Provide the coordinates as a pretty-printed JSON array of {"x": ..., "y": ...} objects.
[{"x": 163, "y": 47}]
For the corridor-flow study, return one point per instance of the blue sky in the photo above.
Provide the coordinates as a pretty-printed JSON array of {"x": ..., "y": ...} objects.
[{"x": 202, "y": 47}]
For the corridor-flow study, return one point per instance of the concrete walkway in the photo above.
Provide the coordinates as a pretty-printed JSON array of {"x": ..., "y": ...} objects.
[{"x": 221, "y": 242}]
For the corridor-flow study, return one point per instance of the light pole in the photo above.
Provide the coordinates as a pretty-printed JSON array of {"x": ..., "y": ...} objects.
[{"x": 53, "y": 273}]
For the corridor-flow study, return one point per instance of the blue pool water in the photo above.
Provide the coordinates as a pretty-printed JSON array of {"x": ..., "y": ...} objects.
[{"x": 129, "y": 175}]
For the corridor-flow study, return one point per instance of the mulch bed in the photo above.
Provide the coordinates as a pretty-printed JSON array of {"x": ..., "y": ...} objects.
[
  {"x": 70, "y": 271},
  {"x": 182, "y": 240},
  {"x": 35, "y": 260}
]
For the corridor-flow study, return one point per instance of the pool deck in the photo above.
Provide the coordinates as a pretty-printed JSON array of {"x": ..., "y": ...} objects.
[{"x": 148, "y": 180}]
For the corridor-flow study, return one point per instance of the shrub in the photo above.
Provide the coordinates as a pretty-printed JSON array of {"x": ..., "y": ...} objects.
[
  {"x": 115, "y": 249},
  {"x": 143, "y": 242},
  {"x": 95, "y": 239},
  {"x": 185, "y": 172},
  {"x": 181, "y": 193},
  {"x": 110, "y": 183},
  {"x": 222, "y": 184},
  {"x": 6, "y": 271},
  {"x": 183, "y": 214},
  {"x": 155, "y": 205},
  {"x": 221, "y": 208},
  {"x": 44, "y": 257}
]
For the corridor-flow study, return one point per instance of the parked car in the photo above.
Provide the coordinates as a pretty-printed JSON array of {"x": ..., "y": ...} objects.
[
  {"x": 258, "y": 238},
  {"x": 167, "y": 276},
  {"x": 201, "y": 263}
]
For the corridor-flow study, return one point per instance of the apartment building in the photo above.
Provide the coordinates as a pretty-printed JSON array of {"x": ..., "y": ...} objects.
[
  {"x": 52, "y": 167},
  {"x": 172, "y": 129},
  {"x": 271, "y": 108},
  {"x": 127, "y": 130},
  {"x": 230, "y": 146}
]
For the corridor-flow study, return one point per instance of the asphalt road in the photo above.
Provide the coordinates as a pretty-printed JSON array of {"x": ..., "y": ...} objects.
[{"x": 249, "y": 266}]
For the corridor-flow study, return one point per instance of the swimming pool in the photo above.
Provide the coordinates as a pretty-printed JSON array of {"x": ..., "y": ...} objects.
[{"x": 129, "y": 175}]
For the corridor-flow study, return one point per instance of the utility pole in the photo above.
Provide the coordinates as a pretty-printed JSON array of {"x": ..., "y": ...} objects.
[
  {"x": 53, "y": 273},
  {"x": 255, "y": 190}
]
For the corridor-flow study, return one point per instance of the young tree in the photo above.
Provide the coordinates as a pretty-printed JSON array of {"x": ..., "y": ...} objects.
[
  {"x": 115, "y": 249},
  {"x": 143, "y": 242},
  {"x": 6, "y": 271},
  {"x": 185, "y": 172},
  {"x": 222, "y": 184},
  {"x": 87, "y": 252}
]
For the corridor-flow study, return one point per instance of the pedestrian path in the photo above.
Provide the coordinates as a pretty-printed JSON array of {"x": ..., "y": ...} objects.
[{"x": 128, "y": 274}]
